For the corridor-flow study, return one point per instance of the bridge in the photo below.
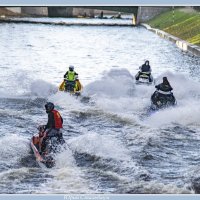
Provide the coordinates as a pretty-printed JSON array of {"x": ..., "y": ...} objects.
[
  {"x": 140, "y": 14},
  {"x": 59, "y": 11}
]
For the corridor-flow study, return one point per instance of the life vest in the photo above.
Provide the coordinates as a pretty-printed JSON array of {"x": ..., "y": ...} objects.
[
  {"x": 71, "y": 75},
  {"x": 145, "y": 68},
  {"x": 57, "y": 119},
  {"x": 165, "y": 88}
]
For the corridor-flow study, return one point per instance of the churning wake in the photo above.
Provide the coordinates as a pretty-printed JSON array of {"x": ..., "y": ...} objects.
[{"x": 112, "y": 143}]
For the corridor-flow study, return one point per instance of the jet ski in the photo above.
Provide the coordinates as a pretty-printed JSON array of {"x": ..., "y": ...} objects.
[
  {"x": 70, "y": 87},
  {"x": 45, "y": 157},
  {"x": 160, "y": 100},
  {"x": 144, "y": 78}
]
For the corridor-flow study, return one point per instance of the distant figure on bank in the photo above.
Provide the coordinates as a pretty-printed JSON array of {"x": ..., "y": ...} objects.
[
  {"x": 101, "y": 15},
  {"x": 119, "y": 16}
]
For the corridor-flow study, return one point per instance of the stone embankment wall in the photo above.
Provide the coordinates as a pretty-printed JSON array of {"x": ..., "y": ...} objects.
[
  {"x": 182, "y": 44},
  {"x": 147, "y": 13}
]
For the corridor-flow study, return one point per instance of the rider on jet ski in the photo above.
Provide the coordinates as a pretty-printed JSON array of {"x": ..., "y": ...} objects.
[
  {"x": 145, "y": 69},
  {"x": 163, "y": 95},
  {"x": 53, "y": 126},
  {"x": 71, "y": 77},
  {"x": 70, "y": 74}
]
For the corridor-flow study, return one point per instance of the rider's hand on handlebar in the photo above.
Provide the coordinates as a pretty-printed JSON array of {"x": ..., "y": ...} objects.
[{"x": 41, "y": 128}]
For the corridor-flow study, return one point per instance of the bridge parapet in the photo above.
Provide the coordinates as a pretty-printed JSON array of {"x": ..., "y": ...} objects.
[{"x": 140, "y": 14}]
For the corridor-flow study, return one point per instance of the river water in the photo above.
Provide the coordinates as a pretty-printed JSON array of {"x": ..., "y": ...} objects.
[{"x": 113, "y": 145}]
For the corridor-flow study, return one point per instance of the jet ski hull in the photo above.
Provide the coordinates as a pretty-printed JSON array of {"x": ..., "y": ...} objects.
[
  {"x": 42, "y": 160},
  {"x": 72, "y": 92},
  {"x": 144, "y": 79},
  {"x": 159, "y": 101}
]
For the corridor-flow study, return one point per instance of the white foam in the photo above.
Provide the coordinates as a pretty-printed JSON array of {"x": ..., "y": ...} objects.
[
  {"x": 107, "y": 147},
  {"x": 154, "y": 187},
  {"x": 116, "y": 93},
  {"x": 15, "y": 174},
  {"x": 114, "y": 83},
  {"x": 187, "y": 111},
  {"x": 65, "y": 158},
  {"x": 41, "y": 88},
  {"x": 67, "y": 177},
  {"x": 184, "y": 115},
  {"x": 65, "y": 180},
  {"x": 184, "y": 87},
  {"x": 100, "y": 145},
  {"x": 64, "y": 99},
  {"x": 12, "y": 148}
]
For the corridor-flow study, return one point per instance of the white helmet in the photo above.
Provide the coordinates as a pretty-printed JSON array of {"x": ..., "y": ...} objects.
[{"x": 71, "y": 68}]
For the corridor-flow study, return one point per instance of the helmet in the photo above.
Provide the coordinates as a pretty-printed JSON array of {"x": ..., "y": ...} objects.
[
  {"x": 49, "y": 107},
  {"x": 146, "y": 62},
  {"x": 71, "y": 68},
  {"x": 165, "y": 81}
]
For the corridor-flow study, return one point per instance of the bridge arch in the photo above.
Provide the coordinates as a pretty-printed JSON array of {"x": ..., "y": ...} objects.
[{"x": 67, "y": 10}]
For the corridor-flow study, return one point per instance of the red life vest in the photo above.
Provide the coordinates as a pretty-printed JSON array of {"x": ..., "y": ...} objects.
[{"x": 57, "y": 119}]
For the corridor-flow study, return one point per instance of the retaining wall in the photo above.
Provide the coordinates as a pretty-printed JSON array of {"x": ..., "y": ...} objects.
[
  {"x": 147, "y": 13},
  {"x": 182, "y": 44}
]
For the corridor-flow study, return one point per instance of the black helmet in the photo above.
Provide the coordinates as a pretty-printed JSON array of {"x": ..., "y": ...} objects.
[
  {"x": 49, "y": 107},
  {"x": 165, "y": 81},
  {"x": 147, "y": 62}
]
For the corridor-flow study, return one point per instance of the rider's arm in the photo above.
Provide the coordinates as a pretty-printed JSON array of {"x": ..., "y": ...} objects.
[
  {"x": 65, "y": 76},
  {"x": 51, "y": 121},
  {"x": 61, "y": 119}
]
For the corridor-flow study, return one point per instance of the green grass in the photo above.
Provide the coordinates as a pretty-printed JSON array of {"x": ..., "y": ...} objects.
[{"x": 180, "y": 24}]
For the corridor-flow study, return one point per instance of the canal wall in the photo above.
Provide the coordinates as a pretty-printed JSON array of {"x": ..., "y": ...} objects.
[
  {"x": 27, "y": 21},
  {"x": 149, "y": 12},
  {"x": 181, "y": 44},
  {"x": 36, "y": 11}
]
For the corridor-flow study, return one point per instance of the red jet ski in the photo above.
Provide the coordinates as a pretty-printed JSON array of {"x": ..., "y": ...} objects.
[{"x": 44, "y": 157}]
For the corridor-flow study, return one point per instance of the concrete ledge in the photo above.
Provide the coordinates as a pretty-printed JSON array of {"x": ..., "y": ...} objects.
[
  {"x": 21, "y": 21},
  {"x": 182, "y": 44}
]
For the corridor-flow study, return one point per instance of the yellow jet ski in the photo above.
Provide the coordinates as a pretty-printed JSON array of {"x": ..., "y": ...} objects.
[{"x": 73, "y": 87}]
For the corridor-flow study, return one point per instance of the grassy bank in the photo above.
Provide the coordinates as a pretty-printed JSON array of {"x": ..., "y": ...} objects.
[{"x": 182, "y": 23}]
